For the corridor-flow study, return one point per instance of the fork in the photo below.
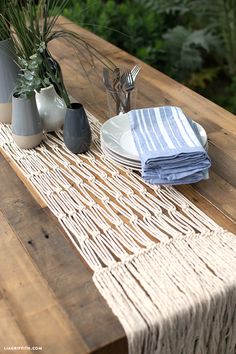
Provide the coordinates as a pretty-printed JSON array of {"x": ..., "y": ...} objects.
[
  {"x": 129, "y": 86},
  {"x": 129, "y": 82},
  {"x": 135, "y": 71}
]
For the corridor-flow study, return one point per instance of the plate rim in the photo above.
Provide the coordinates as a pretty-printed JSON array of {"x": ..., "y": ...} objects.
[{"x": 120, "y": 160}]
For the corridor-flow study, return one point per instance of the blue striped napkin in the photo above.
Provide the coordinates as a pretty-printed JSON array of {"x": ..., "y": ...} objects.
[{"x": 169, "y": 149}]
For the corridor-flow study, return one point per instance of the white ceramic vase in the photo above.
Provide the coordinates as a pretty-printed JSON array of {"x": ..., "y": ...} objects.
[{"x": 52, "y": 109}]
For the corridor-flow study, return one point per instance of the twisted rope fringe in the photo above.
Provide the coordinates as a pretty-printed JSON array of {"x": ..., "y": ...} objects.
[
  {"x": 165, "y": 268},
  {"x": 178, "y": 297}
]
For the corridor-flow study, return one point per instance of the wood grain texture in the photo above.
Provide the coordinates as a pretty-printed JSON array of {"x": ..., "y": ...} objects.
[
  {"x": 23, "y": 178},
  {"x": 47, "y": 295},
  {"x": 28, "y": 307}
]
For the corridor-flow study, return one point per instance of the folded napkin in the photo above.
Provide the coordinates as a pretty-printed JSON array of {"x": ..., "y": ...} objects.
[{"x": 169, "y": 146}]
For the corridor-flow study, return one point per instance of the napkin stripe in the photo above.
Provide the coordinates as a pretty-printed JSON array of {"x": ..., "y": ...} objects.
[
  {"x": 188, "y": 132},
  {"x": 157, "y": 137},
  {"x": 151, "y": 141},
  {"x": 172, "y": 127},
  {"x": 178, "y": 127},
  {"x": 152, "y": 119},
  {"x": 143, "y": 131},
  {"x": 163, "y": 130},
  {"x": 181, "y": 128}
]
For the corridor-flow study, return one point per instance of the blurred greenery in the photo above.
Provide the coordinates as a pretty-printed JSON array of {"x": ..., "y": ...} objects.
[
  {"x": 193, "y": 41},
  {"x": 4, "y": 30}
]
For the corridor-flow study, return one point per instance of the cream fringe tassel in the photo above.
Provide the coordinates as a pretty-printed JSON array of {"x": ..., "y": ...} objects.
[{"x": 178, "y": 297}]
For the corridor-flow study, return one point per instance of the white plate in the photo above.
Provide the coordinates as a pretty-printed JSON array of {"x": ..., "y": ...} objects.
[
  {"x": 126, "y": 163},
  {"x": 118, "y": 157},
  {"x": 121, "y": 162},
  {"x": 117, "y": 137}
]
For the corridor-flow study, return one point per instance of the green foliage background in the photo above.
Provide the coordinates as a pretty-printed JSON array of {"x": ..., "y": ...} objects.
[{"x": 193, "y": 41}]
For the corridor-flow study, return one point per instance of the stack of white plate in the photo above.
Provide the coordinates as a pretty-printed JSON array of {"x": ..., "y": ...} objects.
[{"x": 117, "y": 142}]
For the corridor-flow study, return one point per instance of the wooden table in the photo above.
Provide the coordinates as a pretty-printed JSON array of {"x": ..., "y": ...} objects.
[{"x": 47, "y": 296}]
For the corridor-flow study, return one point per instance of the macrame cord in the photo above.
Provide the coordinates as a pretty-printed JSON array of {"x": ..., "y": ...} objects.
[{"x": 166, "y": 269}]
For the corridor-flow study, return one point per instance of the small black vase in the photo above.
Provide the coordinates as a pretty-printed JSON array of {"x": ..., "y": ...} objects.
[{"x": 76, "y": 133}]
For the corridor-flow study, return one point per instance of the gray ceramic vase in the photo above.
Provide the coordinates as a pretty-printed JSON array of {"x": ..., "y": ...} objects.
[
  {"x": 27, "y": 129},
  {"x": 8, "y": 78},
  {"x": 76, "y": 133}
]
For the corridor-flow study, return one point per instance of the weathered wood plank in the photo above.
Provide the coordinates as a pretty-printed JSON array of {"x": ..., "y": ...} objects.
[
  {"x": 10, "y": 333},
  {"x": 97, "y": 42},
  {"x": 27, "y": 304},
  {"x": 20, "y": 174},
  {"x": 220, "y": 193}
]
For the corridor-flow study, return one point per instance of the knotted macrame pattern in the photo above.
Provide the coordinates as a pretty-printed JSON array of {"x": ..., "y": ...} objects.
[{"x": 166, "y": 269}]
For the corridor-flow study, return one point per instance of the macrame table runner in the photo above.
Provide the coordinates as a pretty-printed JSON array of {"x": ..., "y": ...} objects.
[{"x": 166, "y": 269}]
